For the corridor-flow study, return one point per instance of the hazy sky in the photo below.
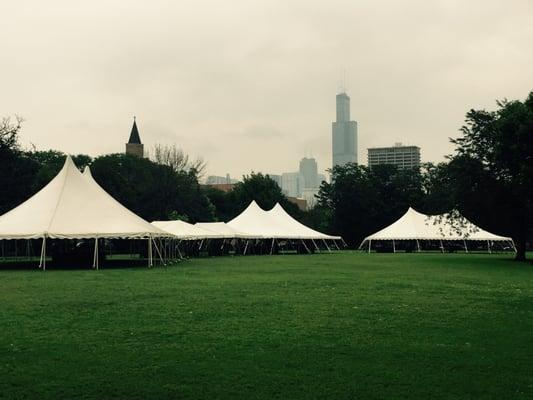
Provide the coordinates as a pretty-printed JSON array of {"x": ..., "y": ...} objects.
[{"x": 250, "y": 85}]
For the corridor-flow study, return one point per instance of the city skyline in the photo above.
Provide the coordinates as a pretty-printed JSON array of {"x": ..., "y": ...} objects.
[{"x": 260, "y": 101}]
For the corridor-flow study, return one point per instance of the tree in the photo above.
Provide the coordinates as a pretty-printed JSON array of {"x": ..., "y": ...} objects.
[
  {"x": 17, "y": 171},
  {"x": 177, "y": 159},
  {"x": 492, "y": 169},
  {"x": 151, "y": 190}
]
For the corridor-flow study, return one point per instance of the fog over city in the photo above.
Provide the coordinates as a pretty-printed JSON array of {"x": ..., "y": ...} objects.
[{"x": 251, "y": 85}]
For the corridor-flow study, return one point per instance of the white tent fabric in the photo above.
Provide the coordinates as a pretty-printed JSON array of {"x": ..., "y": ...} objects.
[
  {"x": 284, "y": 219},
  {"x": 73, "y": 206},
  {"x": 225, "y": 231},
  {"x": 274, "y": 224},
  {"x": 417, "y": 226},
  {"x": 185, "y": 231},
  {"x": 256, "y": 221}
]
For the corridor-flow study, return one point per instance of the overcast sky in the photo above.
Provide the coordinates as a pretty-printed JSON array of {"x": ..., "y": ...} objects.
[{"x": 250, "y": 85}]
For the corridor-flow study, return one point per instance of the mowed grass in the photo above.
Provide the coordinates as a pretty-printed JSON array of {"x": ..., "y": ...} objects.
[{"x": 335, "y": 326}]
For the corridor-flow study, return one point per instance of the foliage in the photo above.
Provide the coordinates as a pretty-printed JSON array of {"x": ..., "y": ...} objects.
[
  {"x": 151, "y": 190},
  {"x": 492, "y": 169},
  {"x": 177, "y": 159}
]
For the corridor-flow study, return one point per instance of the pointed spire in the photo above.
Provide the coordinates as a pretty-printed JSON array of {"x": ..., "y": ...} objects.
[{"x": 134, "y": 135}]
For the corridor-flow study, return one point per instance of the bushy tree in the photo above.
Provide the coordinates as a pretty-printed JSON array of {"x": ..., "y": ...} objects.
[{"x": 492, "y": 169}]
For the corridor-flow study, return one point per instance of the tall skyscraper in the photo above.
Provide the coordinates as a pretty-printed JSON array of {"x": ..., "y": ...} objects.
[
  {"x": 134, "y": 145},
  {"x": 344, "y": 135}
]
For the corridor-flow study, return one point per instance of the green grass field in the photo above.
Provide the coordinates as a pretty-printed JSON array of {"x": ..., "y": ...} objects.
[{"x": 335, "y": 326}]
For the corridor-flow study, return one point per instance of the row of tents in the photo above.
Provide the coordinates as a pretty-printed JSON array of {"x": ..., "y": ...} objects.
[{"x": 74, "y": 206}]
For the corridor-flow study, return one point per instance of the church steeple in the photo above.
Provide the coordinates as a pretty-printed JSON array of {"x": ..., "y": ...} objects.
[
  {"x": 134, "y": 145},
  {"x": 134, "y": 135}
]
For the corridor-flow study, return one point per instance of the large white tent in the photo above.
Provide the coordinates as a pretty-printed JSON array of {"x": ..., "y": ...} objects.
[
  {"x": 257, "y": 222},
  {"x": 416, "y": 226},
  {"x": 282, "y": 218},
  {"x": 186, "y": 231},
  {"x": 74, "y": 206}
]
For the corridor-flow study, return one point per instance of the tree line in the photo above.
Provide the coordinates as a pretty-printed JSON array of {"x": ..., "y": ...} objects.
[{"x": 488, "y": 179}]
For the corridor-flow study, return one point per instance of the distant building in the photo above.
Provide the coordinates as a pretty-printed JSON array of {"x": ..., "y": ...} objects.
[
  {"x": 134, "y": 146},
  {"x": 218, "y": 180},
  {"x": 403, "y": 157},
  {"x": 301, "y": 203},
  {"x": 290, "y": 184},
  {"x": 344, "y": 135},
  {"x": 308, "y": 173},
  {"x": 275, "y": 178},
  {"x": 225, "y": 187}
]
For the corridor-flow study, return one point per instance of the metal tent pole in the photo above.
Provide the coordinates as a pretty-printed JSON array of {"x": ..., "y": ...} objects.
[
  {"x": 369, "y": 245},
  {"x": 149, "y": 251},
  {"x": 466, "y": 248},
  {"x": 307, "y": 248},
  {"x": 441, "y": 247},
  {"x": 336, "y": 245},
  {"x": 325, "y": 243},
  {"x": 95, "y": 255},
  {"x": 488, "y": 247},
  {"x": 42, "y": 263},
  {"x": 245, "y": 247},
  {"x": 418, "y": 245},
  {"x": 272, "y": 246},
  {"x": 316, "y": 247},
  {"x": 393, "y": 246}
]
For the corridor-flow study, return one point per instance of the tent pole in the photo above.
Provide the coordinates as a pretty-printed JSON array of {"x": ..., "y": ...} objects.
[
  {"x": 417, "y": 246},
  {"x": 488, "y": 247},
  {"x": 369, "y": 245},
  {"x": 245, "y": 247},
  {"x": 441, "y": 247},
  {"x": 307, "y": 248},
  {"x": 149, "y": 251},
  {"x": 316, "y": 247},
  {"x": 272, "y": 246},
  {"x": 42, "y": 262},
  {"x": 393, "y": 246},
  {"x": 159, "y": 253},
  {"x": 200, "y": 246},
  {"x": 466, "y": 248},
  {"x": 325, "y": 243},
  {"x": 336, "y": 245}
]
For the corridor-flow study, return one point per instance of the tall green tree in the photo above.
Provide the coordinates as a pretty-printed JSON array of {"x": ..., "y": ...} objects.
[{"x": 492, "y": 169}]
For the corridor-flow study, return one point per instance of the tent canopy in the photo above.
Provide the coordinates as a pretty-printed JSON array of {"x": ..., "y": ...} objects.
[
  {"x": 223, "y": 230},
  {"x": 185, "y": 231},
  {"x": 273, "y": 224},
  {"x": 73, "y": 206},
  {"x": 414, "y": 225}
]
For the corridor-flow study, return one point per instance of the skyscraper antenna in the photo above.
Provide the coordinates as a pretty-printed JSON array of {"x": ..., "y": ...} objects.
[{"x": 342, "y": 81}]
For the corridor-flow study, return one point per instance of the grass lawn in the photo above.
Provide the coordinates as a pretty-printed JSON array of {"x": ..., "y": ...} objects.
[{"x": 332, "y": 326}]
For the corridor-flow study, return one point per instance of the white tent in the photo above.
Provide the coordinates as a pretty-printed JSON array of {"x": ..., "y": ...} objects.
[
  {"x": 185, "y": 231},
  {"x": 257, "y": 222},
  {"x": 281, "y": 217},
  {"x": 414, "y": 225},
  {"x": 224, "y": 231},
  {"x": 74, "y": 206}
]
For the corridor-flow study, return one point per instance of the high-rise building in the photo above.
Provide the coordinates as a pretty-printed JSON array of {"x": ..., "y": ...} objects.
[
  {"x": 308, "y": 173},
  {"x": 134, "y": 145},
  {"x": 344, "y": 135},
  {"x": 403, "y": 157},
  {"x": 290, "y": 184}
]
